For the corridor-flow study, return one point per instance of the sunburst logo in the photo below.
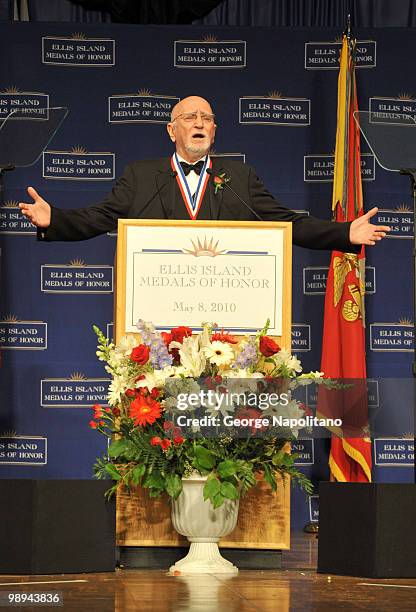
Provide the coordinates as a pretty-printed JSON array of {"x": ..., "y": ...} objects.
[
  {"x": 11, "y": 90},
  {"x": 77, "y": 376},
  {"x": 10, "y": 319},
  {"x": 78, "y": 149},
  {"x": 274, "y": 94},
  {"x": 406, "y": 322},
  {"x": 404, "y": 96},
  {"x": 409, "y": 435},
  {"x": 9, "y": 433},
  {"x": 11, "y": 204},
  {"x": 78, "y": 36},
  {"x": 338, "y": 39},
  {"x": 204, "y": 249},
  {"x": 210, "y": 38},
  {"x": 144, "y": 92},
  {"x": 403, "y": 208},
  {"x": 77, "y": 263}
]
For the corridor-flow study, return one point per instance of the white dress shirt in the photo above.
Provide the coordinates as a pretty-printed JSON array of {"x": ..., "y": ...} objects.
[{"x": 193, "y": 178}]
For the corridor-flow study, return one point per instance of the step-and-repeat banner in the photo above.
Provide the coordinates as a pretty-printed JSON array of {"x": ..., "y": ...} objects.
[{"x": 274, "y": 94}]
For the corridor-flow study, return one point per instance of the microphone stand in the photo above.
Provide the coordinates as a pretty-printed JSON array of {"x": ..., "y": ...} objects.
[{"x": 250, "y": 208}]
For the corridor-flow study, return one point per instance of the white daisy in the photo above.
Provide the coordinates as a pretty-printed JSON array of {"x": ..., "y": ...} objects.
[
  {"x": 219, "y": 353},
  {"x": 116, "y": 390}
]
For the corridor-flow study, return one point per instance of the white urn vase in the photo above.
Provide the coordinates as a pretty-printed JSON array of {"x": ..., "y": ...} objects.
[{"x": 203, "y": 526}]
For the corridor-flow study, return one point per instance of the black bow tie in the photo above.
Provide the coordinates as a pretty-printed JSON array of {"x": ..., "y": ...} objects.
[{"x": 195, "y": 167}]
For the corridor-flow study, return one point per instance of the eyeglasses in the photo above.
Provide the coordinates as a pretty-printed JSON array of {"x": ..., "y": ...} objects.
[{"x": 192, "y": 117}]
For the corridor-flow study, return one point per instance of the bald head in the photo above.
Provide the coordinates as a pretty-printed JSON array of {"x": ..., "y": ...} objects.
[
  {"x": 189, "y": 105},
  {"x": 192, "y": 128}
]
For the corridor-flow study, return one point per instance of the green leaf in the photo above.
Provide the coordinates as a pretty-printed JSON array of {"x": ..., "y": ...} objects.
[
  {"x": 217, "y": 500},
  {"x": 268, "y": 477},
  {"x": 154, "y": 480},
  {"x": 137, "y": 473},
  {"x": 288, "y": 459},
  {"x": 229, "y": 491},
  {"x": 227, "y": 468},
  {"x": 117, "y": 448},
  {"x": 155, "y": 492},
  {"x": 173, "y": 485},
  {"x": 278, "y": 458},
  {"x": 204, "y": 457},
  {"x": 112, "y": 471},
  {"x": 211, "y": 488}
]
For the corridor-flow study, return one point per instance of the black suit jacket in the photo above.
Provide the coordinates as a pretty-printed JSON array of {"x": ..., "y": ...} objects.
[{"x": 148, "y": 190}]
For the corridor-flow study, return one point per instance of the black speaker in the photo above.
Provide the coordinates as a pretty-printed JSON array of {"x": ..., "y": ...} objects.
[
  {"x": 56, "y": 527},
  {"x": 367, "y": 529}
]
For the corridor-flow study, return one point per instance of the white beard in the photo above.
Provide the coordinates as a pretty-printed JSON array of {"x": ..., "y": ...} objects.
[{"x": 199, "y": 149}]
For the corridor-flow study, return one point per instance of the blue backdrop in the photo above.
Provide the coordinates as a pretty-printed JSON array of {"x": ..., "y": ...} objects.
[{"x": 274, "y": 93}]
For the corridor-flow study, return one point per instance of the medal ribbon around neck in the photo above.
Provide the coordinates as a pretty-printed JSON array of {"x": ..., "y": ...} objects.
[{"x": 192, "y": 204}]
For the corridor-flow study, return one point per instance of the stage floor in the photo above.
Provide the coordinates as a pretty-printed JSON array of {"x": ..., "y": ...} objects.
[{"x": 296, "y": 587}]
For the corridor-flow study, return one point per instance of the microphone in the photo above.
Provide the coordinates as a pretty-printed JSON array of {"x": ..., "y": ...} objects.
[
  {"x": 211, "y": 172},
  {"x": 171, "y": 173}
]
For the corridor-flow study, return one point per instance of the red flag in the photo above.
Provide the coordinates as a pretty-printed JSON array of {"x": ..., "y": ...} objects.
[{"x": 343, "y": 347}]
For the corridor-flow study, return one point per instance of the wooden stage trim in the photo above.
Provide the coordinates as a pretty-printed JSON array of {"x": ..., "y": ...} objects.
[{"x": 263, "y": 520}]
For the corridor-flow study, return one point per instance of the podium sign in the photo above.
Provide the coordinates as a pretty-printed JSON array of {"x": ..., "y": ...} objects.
[{"x": 236, "y": 274}]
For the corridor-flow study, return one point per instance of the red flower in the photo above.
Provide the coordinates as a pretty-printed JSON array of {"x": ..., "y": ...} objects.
[
  {"x": 168, "y": 425},
  {"x": 140, "y": 354},
  {"x": 178, "y": 440},
  {"x": 131, "y": 392},
  {"x": 306, "y": 409},
  {"x": 98, "y": 411},
  {"x": 176, "y": 431},
  {"x": 248, "y": 413},
  {"x": 179, "y": 333},
  {"x": 167, "y": 338},
  {"x": 93, "y": 424},
  {"x": 155, "y": 441},
  {"x": 251, "y": 413},
  {"x": 165, "y": 443},
  {"x": 272, "y": 384},
  {"x": 268, "y": 347},
  {"x": 144, "y": 410},
  {"x": 154, "y": 394},
  {"x": 223, "y": 337},
  {"x": 116, "y": 411}
]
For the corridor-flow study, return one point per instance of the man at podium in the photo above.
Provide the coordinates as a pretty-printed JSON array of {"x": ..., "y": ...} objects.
[{"x": 193, "y": 185}]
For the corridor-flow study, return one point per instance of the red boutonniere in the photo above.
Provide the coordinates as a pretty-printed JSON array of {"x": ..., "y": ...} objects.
[{"x": 219, "y": 181}]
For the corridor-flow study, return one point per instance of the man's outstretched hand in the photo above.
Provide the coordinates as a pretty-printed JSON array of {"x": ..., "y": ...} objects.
[
  {"x": 363, "y": 232},
  {"x": 39, "y": 213}
]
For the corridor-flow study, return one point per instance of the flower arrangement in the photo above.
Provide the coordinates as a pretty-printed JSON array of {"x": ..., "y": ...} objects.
[{"x": 147, "y": 447}]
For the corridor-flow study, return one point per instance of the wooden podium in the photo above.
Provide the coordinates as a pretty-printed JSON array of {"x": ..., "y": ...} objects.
[{"x": 264, "y": 516}]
